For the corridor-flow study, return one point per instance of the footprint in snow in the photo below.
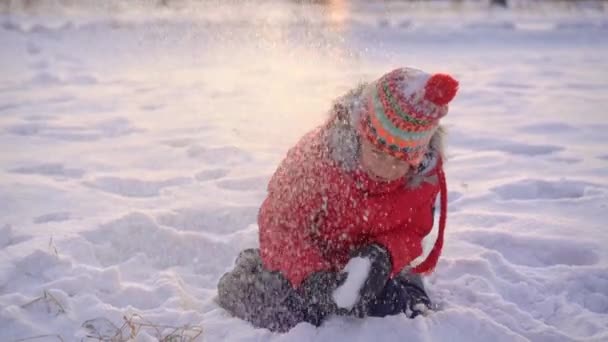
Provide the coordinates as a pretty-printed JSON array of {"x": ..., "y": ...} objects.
[
  {"x": 151, "y": 107},
  {"x": 536, "y": 189},
  {"x": 511, "y": 85},
  {"x": 565, "y": 160},
  {"x": 211, "y": 174},
  {"x": 137, "y": 234},
  {"x": 218, "y": 220},
  {"x": 36, "y": 118},
  {"x": 178, "y": 142},
  {"x": 548, "y": 128},
  {"x": 588, "y": 288},
  {"x": 49, "y": 169},
  {"x": 131, "y": 187},
  {"x": 52, "y": 217},
  {"x": 215, "y": 155},
  {"x": 534, "y": 251},
  {"x": 116, "y": 127},
  {"x": 507, "y": 146},
  {"x": 244, "y": 184},
  {"x": 603, "y": 157}
]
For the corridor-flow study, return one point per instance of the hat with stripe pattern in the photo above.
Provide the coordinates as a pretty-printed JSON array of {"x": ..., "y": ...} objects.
[{"x": 403, "y": 109}]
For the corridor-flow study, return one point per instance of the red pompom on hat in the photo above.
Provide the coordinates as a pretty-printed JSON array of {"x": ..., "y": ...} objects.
[{"x": 440, "y": 89}]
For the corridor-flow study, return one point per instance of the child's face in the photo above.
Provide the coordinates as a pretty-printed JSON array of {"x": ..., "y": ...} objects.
[{"x": 383, "y": 166}]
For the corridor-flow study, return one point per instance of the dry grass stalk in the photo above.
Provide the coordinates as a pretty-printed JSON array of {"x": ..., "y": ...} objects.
[
  {"x": 49, "y": 300},
  {"x": 134, "y": 324}
]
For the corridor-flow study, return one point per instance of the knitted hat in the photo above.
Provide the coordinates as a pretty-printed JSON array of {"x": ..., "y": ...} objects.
[{"x": 403, "y": 109}]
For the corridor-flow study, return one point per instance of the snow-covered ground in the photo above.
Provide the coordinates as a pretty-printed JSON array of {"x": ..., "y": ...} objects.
[{"x": 136, "y": 143}]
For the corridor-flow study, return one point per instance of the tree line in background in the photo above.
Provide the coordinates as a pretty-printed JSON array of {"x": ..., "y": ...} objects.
[{"x": 8, "y": 5}]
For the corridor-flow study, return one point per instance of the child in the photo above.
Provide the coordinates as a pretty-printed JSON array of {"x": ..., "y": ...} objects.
[{"x": 351, "y": 209}]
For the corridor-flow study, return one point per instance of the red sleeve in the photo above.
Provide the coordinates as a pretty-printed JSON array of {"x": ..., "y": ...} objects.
[
  {"x": 285, "y": 244},
  {"x": 405, "y": 245},
  {"x": 287, "y": 216}
]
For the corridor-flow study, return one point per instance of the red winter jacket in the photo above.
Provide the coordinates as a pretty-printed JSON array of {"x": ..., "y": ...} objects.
[{"x": 316, "y": 213}]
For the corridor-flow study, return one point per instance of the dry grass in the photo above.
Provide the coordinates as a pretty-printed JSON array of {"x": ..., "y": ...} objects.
[
  {"x": 50, "y": 302},
  {"x": 100, "y": 329},
  {"x": 52, "y": 247},
  {"x": 103, "y": 330}
]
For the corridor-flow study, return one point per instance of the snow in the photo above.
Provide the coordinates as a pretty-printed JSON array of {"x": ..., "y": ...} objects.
[
  {"x": 347, "y": 294},
  {"x": 414, "y": 87},
  {"x": 137, "y": 141}
]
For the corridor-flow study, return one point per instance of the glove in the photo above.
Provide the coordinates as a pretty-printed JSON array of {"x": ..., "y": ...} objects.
[
  {"x": 416, "y": 300},
  {"x": 316, "y": 293},
  {"x": 329, "y": 292},
  {"x": 402, "y": 294},
  {"x": 377, "y": 277}
]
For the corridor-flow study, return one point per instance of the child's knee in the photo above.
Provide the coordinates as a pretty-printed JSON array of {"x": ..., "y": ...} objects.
[{"x": 265, "y": 299}]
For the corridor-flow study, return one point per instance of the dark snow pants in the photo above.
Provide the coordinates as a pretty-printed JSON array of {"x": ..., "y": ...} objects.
[{"x": 267, "y": 299}]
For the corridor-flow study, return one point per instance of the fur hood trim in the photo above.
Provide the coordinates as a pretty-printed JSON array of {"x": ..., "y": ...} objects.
[{"x": 343, "y": 139}]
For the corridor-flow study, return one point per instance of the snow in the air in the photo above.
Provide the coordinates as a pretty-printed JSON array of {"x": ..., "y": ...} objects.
[{"x": 137, "y": 139}]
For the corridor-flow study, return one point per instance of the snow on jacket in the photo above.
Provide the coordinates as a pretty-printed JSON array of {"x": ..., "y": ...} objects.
[{"x": 321, "y": 206}]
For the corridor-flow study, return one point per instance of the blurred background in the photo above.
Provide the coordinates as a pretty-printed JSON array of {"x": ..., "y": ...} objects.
[
  {"x": 286, "y": 60},
  {"x": 137, "y": 138}
]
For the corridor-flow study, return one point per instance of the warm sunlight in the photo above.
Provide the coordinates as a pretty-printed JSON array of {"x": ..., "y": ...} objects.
[
  {"x": 303, "y": 170},
  {"x": 338, "y": 13}
]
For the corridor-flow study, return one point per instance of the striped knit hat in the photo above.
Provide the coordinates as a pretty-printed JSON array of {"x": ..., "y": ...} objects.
[{"x": 403, "y": 111}]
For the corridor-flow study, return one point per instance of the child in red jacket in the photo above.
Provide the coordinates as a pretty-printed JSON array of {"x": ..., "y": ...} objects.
[{"x": 348, "y": 224}]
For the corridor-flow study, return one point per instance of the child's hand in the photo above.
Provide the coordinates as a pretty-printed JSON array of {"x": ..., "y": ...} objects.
[
  {"x": 316, "y": 292},
  {"x": 347, "y": 292},
  {"x": 415, "y": 301},
  {"x": 402, "y": 294},
  {"x": 366, "y": 275}
]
